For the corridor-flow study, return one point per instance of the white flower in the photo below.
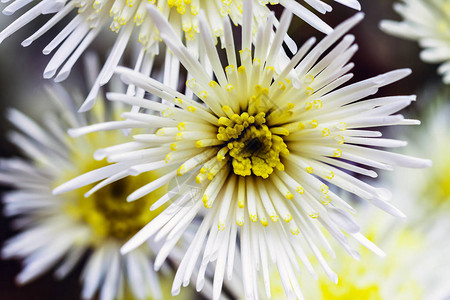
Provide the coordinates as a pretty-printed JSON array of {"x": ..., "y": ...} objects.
[
  {"x": 127, "y": 16},
  {"x": 414, "y": 268},
  {"x": 428, "y": 23},
  {"x": 263, "y": 144},
  {"x": 58, "y": 231}
]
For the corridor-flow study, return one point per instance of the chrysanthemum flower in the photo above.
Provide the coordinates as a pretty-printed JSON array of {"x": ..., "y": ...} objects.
[
  {"x": 126, "y": 17},
  {"x": 263, "y": 145},
  {"x": 381, "y": 278},
  {"x": 428, "y": 23},
  {"x": 58, "y": 231}
]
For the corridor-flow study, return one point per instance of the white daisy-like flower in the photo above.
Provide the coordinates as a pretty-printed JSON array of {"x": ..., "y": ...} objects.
[
  {"x": 428, "y": 23},
  {"x": 127, "y": 16},
  {"x": 414, "y": 268},
  {"x": 261, "y": 148},
  {"x": 58, "y": 231}
]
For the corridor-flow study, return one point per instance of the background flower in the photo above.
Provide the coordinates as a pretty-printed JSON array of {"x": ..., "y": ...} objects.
[
  {"x": 122, "y": 18},
  {"x": 428, "y": 190},
  {"x": 409, "y": 248},
  {"x": 59, "y": 232},
  {"x": 428, "y": 23}
]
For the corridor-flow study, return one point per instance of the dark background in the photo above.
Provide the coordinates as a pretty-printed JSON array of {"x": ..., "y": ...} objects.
[{"x": 20, "y": 86}]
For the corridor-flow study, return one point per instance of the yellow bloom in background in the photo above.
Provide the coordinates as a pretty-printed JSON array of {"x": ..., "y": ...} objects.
[
  {"x": 413, "y": 269},
  {"x": 376, "y": 278},
  {"x": 428, "y": 23}
]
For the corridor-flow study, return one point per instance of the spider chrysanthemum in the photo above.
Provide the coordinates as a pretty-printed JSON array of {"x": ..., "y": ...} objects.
[
  {"x": 428, "y": 23},
  {"x": 126, "y": 17},
  {"x": 60, "y": 231},
  {"x": 261, "y": 145}
]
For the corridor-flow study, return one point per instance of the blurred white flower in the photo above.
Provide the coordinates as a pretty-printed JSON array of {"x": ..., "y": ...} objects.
[
  {"x": 124, "y": 17},
  {"x": 58, "y": 231},
  {"x": 428, "y": 23},
  {"x": 430, "y": 189},
  {"x": 264, "y": 144},
  {"x": 413, "y": 269}
]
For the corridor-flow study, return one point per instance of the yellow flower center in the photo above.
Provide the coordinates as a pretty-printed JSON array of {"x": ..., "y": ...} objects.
[
  {"x": 107, "y": 212},
  {"x": 253, "y": 149}
]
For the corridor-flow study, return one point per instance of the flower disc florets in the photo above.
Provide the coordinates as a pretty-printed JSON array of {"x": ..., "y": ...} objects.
[
  {"x": 106, "y": 212},
  {"x": 250, "y": 143},
  {"x": 252, "y": 147}
]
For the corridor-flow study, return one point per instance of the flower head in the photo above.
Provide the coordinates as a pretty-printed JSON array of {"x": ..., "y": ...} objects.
[
  {"x": 126, "y": 17},
  {"x": 428, "y": 23},
  {"x": 408, "y": 247},
  {"x": 264, "y": 143},
  {"x": 58, "y": 231},
  {"x": 375, "y": 277}
]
